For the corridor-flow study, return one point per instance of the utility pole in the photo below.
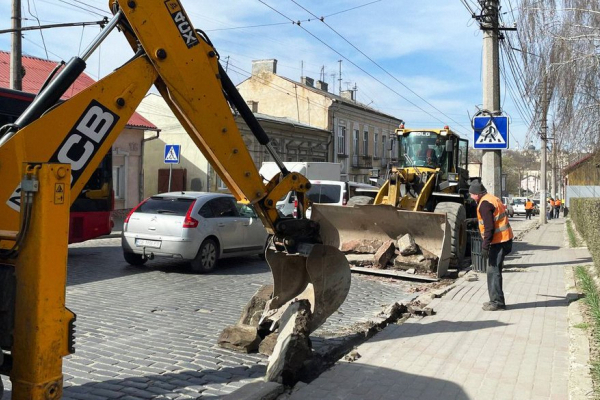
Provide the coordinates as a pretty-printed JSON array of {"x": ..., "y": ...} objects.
[
  {"x": 544, "y": 138},
  {"x": 554, "y": 191},
  {"x": 491, "y": 174},
  {"x": 16, "y": 66}
]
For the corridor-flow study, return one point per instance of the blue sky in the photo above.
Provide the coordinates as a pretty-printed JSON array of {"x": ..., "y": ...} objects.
[{"x": 389, "y": 48}]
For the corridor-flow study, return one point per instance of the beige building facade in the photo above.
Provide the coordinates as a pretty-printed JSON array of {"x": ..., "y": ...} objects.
[
  {"x": 293, "y": 141},
  {"x": 361, "y": 136}
]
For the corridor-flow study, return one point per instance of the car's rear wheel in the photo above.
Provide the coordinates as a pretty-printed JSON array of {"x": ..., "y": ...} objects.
[
  {"x": 207, "y": 257},
  {"x": 134, "y": 259}
]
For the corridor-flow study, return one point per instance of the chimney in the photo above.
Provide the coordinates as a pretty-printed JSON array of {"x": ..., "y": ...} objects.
[
  {"x": 322, "y": 86},
  {"x": 264, "y": 67},
  {"x": 348, "y": 95},
  {"x": 308, "y": 81}
]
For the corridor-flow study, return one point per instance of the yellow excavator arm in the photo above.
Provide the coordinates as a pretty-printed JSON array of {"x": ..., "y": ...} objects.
[{"x": 52, "y": 145}]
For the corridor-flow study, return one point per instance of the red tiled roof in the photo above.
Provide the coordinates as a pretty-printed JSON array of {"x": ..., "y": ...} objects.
[{"x": 36, "y": 72}]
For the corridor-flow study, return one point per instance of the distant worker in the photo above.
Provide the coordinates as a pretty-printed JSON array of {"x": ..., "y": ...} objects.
[
  {"x": 550, "y": 208},
  {"x": 557, "y": 204},
  {"x": 529, "y": 208},
  {"x": 497, "y": 241}
]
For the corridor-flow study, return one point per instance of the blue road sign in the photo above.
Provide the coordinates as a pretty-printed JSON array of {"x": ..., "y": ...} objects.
[
  {"x": 172, "y": 152},
  {"x": 490, "y": 134}
]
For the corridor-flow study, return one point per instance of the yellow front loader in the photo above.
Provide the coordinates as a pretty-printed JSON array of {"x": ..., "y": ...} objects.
[
  {"x": 49, "y": 153},
  {"x": 424, "y": 194}
]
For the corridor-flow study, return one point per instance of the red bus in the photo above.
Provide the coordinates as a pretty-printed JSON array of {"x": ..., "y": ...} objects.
[{"x": 90, "y": 215}]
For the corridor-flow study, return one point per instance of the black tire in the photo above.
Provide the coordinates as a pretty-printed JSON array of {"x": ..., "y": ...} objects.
[
  {"x": 207, "y": 257},
  {"x": 134, "y": 259},
  {"x": 360, "y": 200},
  {"x": 457, "y": 216}
]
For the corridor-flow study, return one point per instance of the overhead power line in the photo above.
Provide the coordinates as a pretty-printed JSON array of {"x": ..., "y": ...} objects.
[
  {"x": 362, "y": 69},
  {"x": 65, "y": 25},
  {"x": 380, "y": 67}
]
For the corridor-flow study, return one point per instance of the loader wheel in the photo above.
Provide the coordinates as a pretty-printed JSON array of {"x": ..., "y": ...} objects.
[{"x": 456, "y": 215}]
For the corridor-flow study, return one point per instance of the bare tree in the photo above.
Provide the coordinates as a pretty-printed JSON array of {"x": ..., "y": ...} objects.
[{"x": 559, "y": 42}]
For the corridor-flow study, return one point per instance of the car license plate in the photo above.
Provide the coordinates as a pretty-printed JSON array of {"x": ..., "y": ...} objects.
[{"x": 148, "y": 243}]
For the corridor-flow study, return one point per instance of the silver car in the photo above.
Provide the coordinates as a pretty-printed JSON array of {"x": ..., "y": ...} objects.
[{"x": 196, "y": 226}]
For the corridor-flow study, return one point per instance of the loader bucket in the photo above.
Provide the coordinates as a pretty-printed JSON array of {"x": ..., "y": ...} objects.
[
  {"x": 322, "y": 277},
  {"x": 339, "y": 225}
]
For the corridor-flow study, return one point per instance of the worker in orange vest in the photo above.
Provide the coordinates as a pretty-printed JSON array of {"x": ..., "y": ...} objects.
[
  {"x": 497, "y": 241},
  {"x": 528, "y": 209},
  {"x": 550, "y": 210},
  {"x": 557, "y": 204}
]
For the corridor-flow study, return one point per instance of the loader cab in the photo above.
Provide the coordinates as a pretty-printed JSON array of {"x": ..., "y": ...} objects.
[
  {"x": 435, "y": 148},
  {"x": 422, "y": 149}
]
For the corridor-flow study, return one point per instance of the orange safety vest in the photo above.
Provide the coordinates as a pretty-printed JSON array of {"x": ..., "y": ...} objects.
[
  {"x": 529, "y": 205},
  {"x": 502, "y": 230},
  {"x": 557, "y": 203},
  {"x": 551, "y": 202}
]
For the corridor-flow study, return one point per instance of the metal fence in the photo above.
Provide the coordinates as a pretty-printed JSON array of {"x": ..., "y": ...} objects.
[
  {"x": 582, "y": 191},
  {"x": 478, "y": 263}
]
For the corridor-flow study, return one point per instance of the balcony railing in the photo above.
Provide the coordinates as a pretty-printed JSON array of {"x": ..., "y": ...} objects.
[{"x": 362, "y": 161}]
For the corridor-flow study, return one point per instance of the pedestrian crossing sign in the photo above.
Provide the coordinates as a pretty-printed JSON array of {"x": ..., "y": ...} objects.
[
  {"x": 490, "y": 133},
  {"x": 172, "y": 152}
]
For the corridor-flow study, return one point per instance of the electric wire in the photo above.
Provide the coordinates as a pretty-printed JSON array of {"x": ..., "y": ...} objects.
[
  {"x": 361, "y": 69},
  {"x": 39, "y": 24},
  {"x": 378, "y": 65}
]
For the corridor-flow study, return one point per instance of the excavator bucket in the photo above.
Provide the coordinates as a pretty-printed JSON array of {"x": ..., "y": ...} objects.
[
  {"x": 321, "y": 276},
  {"x": 340, "y": 225}
]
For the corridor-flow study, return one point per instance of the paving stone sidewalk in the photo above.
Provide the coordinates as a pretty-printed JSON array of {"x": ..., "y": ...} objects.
[{"x": 463, "y": 352}]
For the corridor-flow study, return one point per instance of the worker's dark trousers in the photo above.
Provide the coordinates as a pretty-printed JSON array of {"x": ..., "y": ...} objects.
[
  {"x": 528, "y": 214},
  {"x": 556, "y": 212},
  {"x": 494, "y": 271}
]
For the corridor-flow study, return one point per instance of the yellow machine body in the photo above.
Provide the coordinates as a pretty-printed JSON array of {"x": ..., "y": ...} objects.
[{"x": 183, "y": 65}]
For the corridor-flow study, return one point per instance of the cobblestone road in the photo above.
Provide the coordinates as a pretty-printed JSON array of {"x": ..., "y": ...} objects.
[{"x": 150, "y": 332}]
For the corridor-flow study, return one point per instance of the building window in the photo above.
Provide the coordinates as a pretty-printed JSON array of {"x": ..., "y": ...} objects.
[
  {"x": 119, "y": 181},
  {"x": 342, "y": 140},
  {"x": 375, "y": 148},
  {"x": 355, "y": 142},
  {"x": 383, "y": 143},
  {"x": 220, "y": 184},
  {"x": 365, "y": 143}
]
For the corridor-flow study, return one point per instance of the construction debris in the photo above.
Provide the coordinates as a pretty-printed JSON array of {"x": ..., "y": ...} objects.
[
  {"x": 352, "y": 356},
  {"x": 253, "y": 311},
  {"x": 361, "y": 246},
  {"x": 407, "y": 245},
  {"x": 292, "y": 349},
  {"x": 384, "y": 255},
  {"x": 402, "y": 254},
  {"x": 239, "y": 337}
]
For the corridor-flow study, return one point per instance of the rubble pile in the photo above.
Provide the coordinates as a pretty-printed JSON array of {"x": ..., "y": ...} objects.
[
  {"x": 401, "y": 254},
  {"x": 288, "y": 346}
]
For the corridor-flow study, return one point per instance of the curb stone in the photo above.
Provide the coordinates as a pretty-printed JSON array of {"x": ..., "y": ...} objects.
[{"x": 580, "y": 380}]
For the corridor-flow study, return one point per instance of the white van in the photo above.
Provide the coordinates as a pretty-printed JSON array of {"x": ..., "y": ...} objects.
[{"x": 518, "y": 204}]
